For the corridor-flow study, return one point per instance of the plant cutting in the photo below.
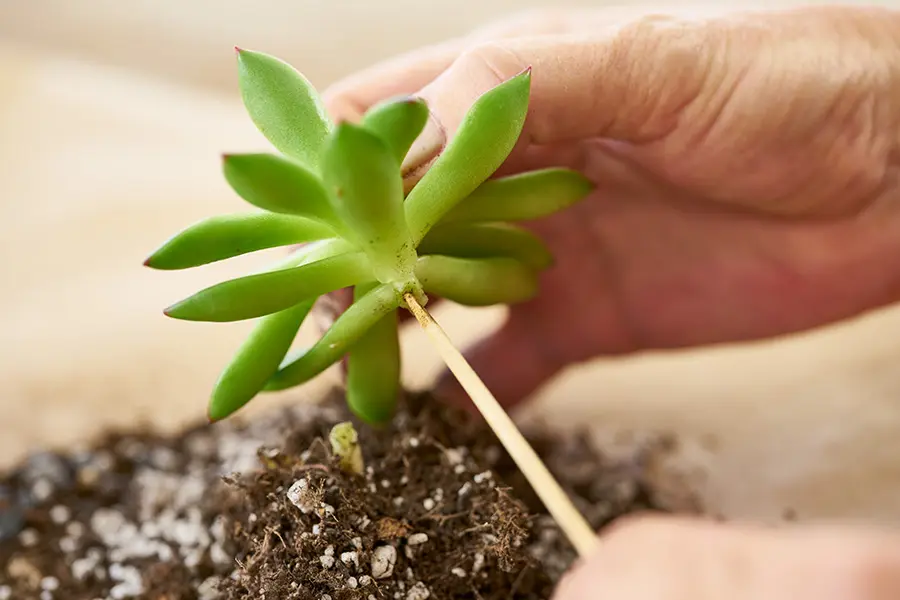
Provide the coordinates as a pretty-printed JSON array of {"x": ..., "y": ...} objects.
[
  {"x": 424, "y": 505},
  {"x": 338, "y": 189}
]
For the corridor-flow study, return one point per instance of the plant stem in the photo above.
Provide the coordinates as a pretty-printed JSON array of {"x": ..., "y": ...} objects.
[{"x": 547, "y": 488}]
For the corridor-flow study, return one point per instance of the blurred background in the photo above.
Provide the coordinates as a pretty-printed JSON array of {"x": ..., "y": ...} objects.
[{"x": 113, "y": 116}]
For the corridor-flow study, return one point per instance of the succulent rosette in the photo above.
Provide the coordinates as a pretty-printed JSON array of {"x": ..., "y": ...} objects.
[{"x": 336, "y": 189}]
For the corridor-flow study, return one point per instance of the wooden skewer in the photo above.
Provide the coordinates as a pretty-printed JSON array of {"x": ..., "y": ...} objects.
[{"x": 547, "y": 488}]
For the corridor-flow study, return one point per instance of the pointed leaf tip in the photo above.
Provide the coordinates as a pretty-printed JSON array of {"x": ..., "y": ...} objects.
[
  {"x": 225, "y": 236},
  {"x": 398, "y": 122},
  {"x": 268, "y": 292},
  {"x": 482, "y": 142},
  {"x": 284, "y": 106}
]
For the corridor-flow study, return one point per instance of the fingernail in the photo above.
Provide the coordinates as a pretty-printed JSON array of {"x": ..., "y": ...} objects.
[{"x": 423, "y": 152}]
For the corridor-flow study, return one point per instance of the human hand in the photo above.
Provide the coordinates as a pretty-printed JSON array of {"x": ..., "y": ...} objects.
[
  {"x": 745, "y": 163},
  {"x": 668, "y": 558}
]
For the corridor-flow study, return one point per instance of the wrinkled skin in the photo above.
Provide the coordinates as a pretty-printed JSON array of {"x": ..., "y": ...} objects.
[{"x": 746, "y": 171}]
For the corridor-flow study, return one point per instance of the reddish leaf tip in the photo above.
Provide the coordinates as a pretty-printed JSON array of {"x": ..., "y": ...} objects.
[{"x": 238, "y": 50}]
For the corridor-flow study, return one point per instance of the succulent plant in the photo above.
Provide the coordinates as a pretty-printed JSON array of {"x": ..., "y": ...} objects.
[{"x": 336, "y": 191}]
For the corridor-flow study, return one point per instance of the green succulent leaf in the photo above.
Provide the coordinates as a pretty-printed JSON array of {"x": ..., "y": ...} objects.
[
  {"x": 353, "y": 323},
  {"x": 226, "y": 236},
  {"x": 486, "y": 240},
  {"x": 283, "y": 105},
  {"x": 268, "y": 292},
  {"x": 477, "y": 281},
  {"x": 367, "y": 193},
  {"x": 312, "y": 252},
  {"x": 522, "y": 197},
  {"x": 373, "y": 369},
  {"x": 256, "y": 360},
  {"x": 398, "y": 122},
  {"x": 279, "y": 185},
  {"x": 338, "y": 190},
  {"x": 485, "y": 138}
]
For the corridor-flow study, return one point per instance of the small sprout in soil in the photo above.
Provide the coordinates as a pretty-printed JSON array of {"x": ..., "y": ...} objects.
[
  {"x": 337, "y": 190},
  {"x": 345, "y": 445}
]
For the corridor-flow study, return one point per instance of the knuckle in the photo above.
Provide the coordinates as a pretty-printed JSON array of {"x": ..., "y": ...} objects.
[{"x": 494, "y": 60}]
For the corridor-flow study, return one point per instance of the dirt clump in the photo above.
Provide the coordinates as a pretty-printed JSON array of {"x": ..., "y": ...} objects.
[{"x": 262, "y": 509}]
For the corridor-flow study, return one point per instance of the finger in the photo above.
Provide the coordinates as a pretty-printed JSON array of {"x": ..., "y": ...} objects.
[
  {"x": 408, "y": 73},
  {"x": 509, "y": 362},
  {"x": 626, "y": 83},
  {"x": 403, "y": 75},
  {"x": 673, "y": 557}
]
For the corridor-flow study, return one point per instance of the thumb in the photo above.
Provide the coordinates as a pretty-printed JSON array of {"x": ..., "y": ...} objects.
[
  {"x": 509, "y": 362},
  {"x": 627, "y": 83}
]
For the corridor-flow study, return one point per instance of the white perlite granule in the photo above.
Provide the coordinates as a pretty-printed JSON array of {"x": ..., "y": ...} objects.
[
  {"x": 130, "y": 582},
  {"x": 418, "y": 592},
  {"x": 49, "y": 583},
  {"x": 478, "y": 563},
  {"x": 59, "y": 514},
  {"x": 296, "y": 495},
  {"x": 383, "y": 560},
  {"x": 482, "y": 477},
  {"x": 28, "y": 538}
]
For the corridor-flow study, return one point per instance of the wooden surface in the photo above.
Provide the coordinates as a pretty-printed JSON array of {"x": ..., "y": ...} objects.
[{"x": 101, "y": 162}]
